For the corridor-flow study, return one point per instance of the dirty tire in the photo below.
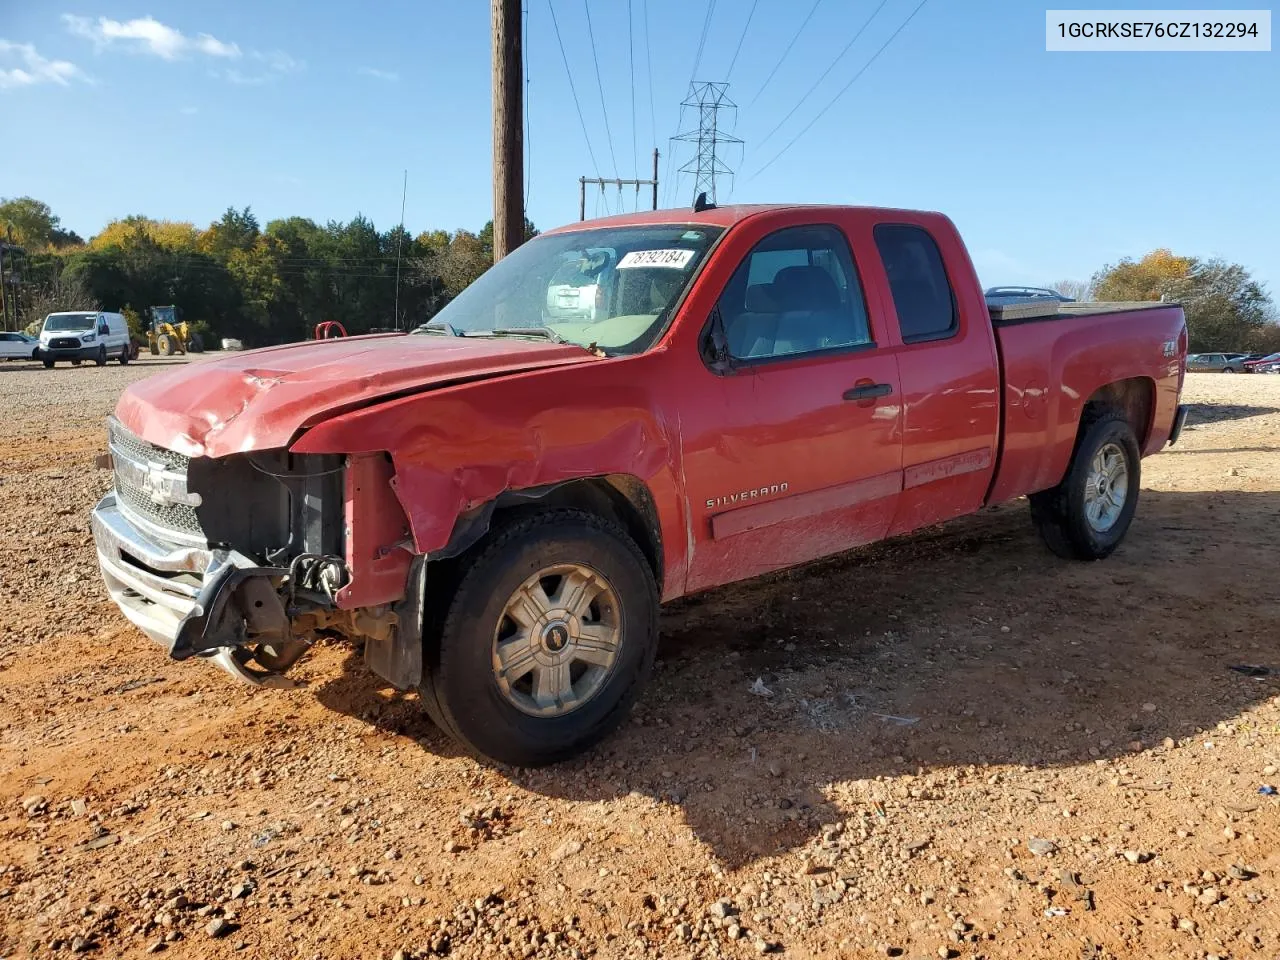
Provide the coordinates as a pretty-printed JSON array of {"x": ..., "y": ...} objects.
[
  {"x": 459, "y": 689},
  {"x": 1059, "y": 514},
  {"x": 101, "y": 358},
  {"x": 165, "y": 345}
]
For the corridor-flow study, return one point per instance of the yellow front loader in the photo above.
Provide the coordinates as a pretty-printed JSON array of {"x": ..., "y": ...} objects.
[{"x": 170, "y": 334}]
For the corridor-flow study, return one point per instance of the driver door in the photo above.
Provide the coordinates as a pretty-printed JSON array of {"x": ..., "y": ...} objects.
[{"x": 806, "y": 460}]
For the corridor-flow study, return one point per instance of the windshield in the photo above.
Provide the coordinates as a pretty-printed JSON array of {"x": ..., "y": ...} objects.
[
  {"x": 614, "y": 287},
  {"x": 70, "y": 321}
]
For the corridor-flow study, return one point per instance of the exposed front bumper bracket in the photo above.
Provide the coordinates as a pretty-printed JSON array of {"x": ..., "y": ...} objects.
[{"x": 178, "y": 596}]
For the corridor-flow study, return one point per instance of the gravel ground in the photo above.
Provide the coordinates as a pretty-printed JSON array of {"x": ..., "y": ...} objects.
[{"x": 959, "y": 746}]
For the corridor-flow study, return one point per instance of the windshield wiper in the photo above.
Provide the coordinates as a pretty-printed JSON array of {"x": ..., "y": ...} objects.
[
  {"x": 543, "y": 333},
  {"x": 441, "y": 327}
]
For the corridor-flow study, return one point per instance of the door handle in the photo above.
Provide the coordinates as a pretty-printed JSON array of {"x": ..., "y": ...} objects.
[{"x": 868, "y": 391}]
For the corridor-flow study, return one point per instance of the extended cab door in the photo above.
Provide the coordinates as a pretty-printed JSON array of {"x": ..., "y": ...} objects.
[
  {"x": 949, "y": 369},
  {"x": 801, "y": 454}
]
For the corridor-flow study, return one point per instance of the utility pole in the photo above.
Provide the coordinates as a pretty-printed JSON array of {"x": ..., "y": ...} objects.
[
  {"x": 602, "y": 181},
  {"x": 508, "y": 129},
  {"x": 708, "y": 163}
]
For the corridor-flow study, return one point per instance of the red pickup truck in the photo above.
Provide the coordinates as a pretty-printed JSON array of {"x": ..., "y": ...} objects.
[{"x": 619, "y": 413}]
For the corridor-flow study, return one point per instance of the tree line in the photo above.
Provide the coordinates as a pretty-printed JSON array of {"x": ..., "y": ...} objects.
[
  {"x": 268, "y": 285},
  {"x": 236, "y": 278},
  {"x": 1226, "y": 309}
]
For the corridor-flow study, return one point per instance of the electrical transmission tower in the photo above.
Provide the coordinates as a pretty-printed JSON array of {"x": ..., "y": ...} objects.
[{"x": 709, "y": 139}]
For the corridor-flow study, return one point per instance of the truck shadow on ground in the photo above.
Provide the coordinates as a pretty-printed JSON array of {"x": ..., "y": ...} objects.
[
  {"x": 966, "y": 644},
  {"x": 1201, "y": 413}
]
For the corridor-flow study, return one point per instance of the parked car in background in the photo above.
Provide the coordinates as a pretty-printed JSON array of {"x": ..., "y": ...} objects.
[
  {"x": 85, "y": 335},
  {"x": 1268, "y": 364},
  {"x": 1215, "y": 363},
  {"x": 18, "y": 346}
]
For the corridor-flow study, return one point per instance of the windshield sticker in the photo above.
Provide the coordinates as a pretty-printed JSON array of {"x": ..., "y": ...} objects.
[{"x": 676, "y": 259}]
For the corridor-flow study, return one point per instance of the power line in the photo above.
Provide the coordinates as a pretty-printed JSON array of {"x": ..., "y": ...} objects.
[
  {"x": 631, "y": 49},
  {"x": 600, "y": 85},
  {"x": 843, "y": 90},
  {"x": 576, "y": 105},
  {"x": 834, "y": 63},
  {"x": 648, "y": 71},
  {"x": 702, "y": 40},
  {"x": 804, "y": 23},
  {"x": 745, "y": 27}
]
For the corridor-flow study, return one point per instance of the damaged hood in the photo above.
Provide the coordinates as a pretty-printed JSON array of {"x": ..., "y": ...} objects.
[{"x": 259, "y": 400}]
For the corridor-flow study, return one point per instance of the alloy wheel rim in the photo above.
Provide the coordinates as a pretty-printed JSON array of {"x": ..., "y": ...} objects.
[
  {"x": 1106, "y": 488},
  {"x": 557, "y": 640}
]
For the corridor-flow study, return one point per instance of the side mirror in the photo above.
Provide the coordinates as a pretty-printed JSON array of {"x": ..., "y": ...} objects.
[{"x": 715, "y": 346}]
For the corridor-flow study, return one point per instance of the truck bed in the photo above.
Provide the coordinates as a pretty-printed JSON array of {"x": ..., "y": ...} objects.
[
  {"x": 1032, "y": 311},
  {"x": 1052, "y": 358}
]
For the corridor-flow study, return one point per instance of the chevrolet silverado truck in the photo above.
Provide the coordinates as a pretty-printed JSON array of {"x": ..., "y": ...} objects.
[{"x": 494, "y": 505}]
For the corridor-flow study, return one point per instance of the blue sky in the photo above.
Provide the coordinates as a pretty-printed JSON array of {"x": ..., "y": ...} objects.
[{"x": 1051, "y": 164}]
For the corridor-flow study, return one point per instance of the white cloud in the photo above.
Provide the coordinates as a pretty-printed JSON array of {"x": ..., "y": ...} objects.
[
  {"x": 31, "y": 68},
  {"x": 148, "y": 35},
  {"x": 276, "y": 63},
  {"x": 246, "y": 79},
  {"x": 279, "y": 61},
  {"x": 388, "y": 75}
]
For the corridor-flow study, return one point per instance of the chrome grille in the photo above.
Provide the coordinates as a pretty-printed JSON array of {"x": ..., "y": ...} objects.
[{"x": 141, "y": 456}]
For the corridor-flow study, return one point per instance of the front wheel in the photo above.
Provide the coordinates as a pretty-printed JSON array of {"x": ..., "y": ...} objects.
[
  {"x": 101, "y": 358},
  {"x": 1087, "y": 515},
  {"x": 549, "y": 637}
]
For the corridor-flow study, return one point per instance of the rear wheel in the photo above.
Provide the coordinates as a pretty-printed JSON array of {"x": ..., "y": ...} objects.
[
  {"x": 195, "y": 344},
  {"x": 550, "y": 634},
  {"x": 1087, "y": 515},
  {"x": 125, "y": 354},
  {"x": 1228, "y": 369}
]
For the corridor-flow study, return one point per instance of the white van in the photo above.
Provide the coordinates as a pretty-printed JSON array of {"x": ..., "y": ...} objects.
[{"x": 80, "y": 335}]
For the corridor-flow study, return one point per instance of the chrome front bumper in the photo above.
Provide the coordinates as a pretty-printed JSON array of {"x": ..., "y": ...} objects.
[{"x": 176, "y": 595}]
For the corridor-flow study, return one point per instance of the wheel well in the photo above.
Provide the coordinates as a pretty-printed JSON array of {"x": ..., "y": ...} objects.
[
  {"x": 1135, "y": 398},
  {"x": 619, "y": 497}
]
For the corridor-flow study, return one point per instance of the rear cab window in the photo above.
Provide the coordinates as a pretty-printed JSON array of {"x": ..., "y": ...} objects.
[{"x": 922, "y": 294}]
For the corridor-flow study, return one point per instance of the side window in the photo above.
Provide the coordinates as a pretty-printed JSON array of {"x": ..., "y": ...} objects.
[
  {"x": 796, "y": 292},
  {"x": 103, "y": 329},
  {"x": 922, "y": 294}
]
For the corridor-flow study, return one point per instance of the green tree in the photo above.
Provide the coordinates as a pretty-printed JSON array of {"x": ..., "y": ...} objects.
[
  {"x": 32, "y": 222},
  {"x": 1226, "y": 308}
]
